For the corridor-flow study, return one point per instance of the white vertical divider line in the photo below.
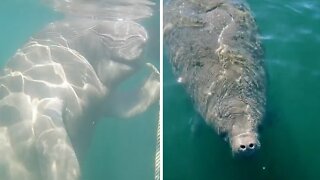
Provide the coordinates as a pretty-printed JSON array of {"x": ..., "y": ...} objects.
[{"x": 161, "y": 89}]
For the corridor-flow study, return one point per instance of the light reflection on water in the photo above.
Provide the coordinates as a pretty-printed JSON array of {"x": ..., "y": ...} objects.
[{"x": 132, "y": 143}]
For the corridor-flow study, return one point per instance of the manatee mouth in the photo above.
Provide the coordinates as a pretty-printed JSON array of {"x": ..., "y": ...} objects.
[{"x": 245, "y": 144}]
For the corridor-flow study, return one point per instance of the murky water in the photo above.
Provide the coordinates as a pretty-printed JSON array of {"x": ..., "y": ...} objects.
[{"x": 291, "y": 36}]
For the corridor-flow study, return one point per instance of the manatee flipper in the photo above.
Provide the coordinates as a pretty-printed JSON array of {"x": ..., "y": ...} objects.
[
  {"x": 132, "y": 103},
  {"x": 57, "y": 158},
  {"x": 196, "y": 123}
]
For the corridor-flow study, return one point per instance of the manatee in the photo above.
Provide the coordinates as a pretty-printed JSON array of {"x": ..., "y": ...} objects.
[
  {"x": 215, "y": 52},
  {"x": 54, "y": 85}
]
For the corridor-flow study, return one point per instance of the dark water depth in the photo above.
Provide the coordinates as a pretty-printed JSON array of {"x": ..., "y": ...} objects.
[{"x": 290, "y": 31}]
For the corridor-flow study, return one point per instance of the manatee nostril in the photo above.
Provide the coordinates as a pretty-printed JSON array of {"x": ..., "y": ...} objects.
[
  {"x": 251, "y": 145},
  {"x": 242, "y": 146}
]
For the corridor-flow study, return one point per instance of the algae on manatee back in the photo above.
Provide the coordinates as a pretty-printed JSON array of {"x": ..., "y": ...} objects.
[{"x": 213, "y": 47}]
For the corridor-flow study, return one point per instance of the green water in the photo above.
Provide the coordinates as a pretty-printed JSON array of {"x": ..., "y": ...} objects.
[
  {"x": 290, "y": 138},
  {"x": 121, "y": 149}
]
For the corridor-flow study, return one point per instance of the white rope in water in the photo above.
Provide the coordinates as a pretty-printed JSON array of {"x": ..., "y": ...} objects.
[{"x": 157, "y": 158}]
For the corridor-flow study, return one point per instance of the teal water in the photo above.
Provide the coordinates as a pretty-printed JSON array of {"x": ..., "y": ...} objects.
[
  {"x": 290, "y": 138},
  {"x": 124, "y": 149},
  {"x": 121, "y": 148},
  {"x": 19, "y": 19}
]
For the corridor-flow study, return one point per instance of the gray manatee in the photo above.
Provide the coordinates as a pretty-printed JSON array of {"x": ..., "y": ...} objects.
[
  {"x": 61, "y": 78},
  {"x": 214, "y": 50}
]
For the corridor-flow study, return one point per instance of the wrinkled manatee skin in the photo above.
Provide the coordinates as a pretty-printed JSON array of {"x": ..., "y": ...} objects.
[{"x": 214, "y": 49}]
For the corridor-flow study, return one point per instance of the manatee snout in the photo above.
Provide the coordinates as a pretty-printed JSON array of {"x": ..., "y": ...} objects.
[{"x": 245, "y": 144}]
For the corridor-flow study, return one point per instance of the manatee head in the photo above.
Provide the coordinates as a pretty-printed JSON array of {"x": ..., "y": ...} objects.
[
  {"x": 244, "y": 144},
  {"x": 242, "y": 124}
]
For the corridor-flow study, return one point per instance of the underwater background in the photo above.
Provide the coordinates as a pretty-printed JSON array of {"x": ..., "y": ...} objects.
[
  {"x": 290, "y": 32},
  {"x": 121, "y": 149}
]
